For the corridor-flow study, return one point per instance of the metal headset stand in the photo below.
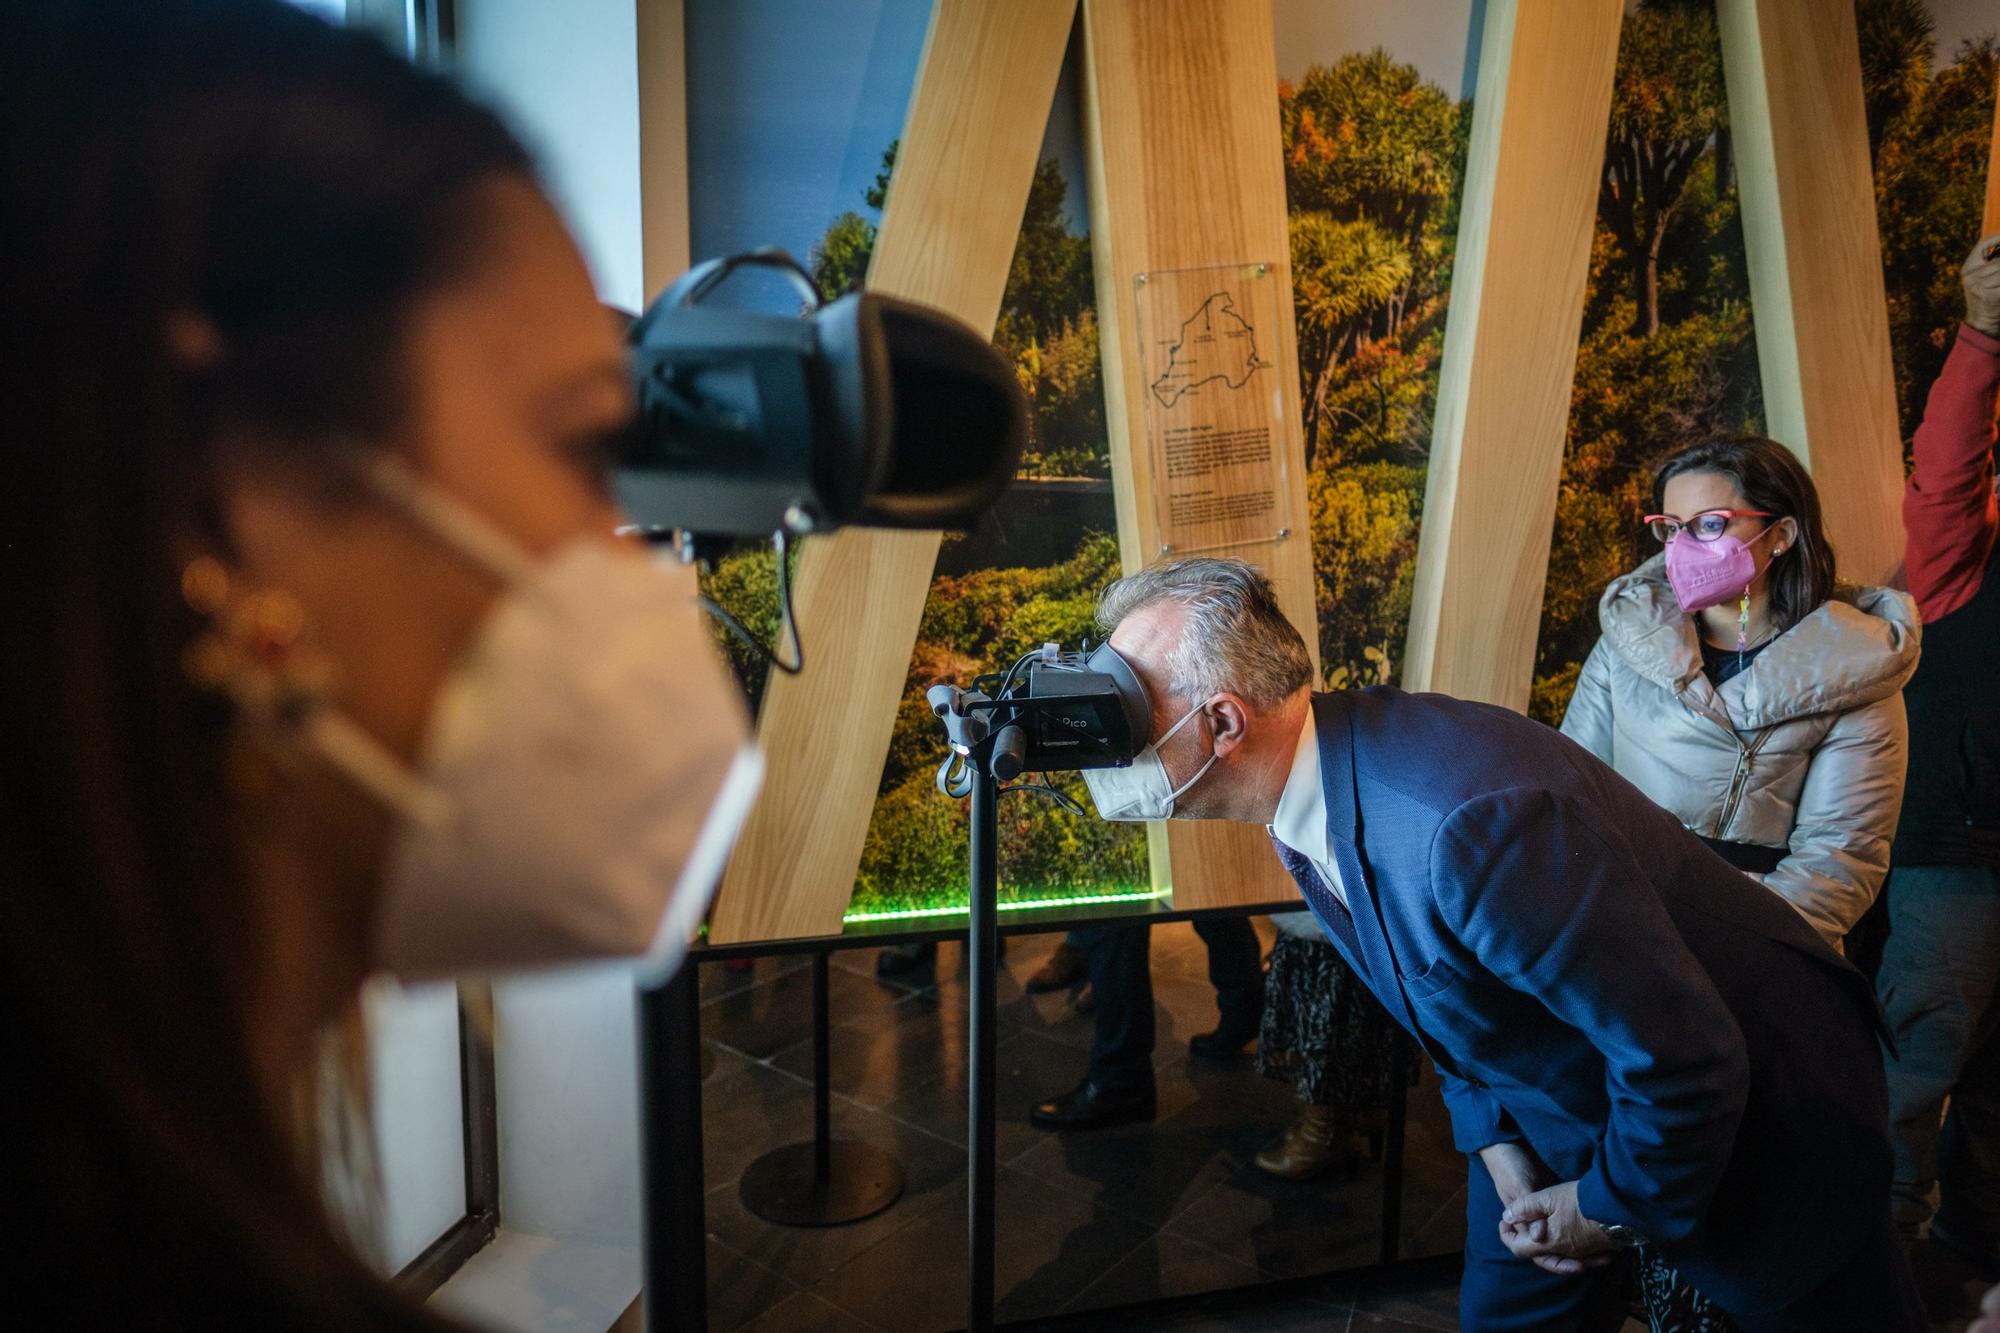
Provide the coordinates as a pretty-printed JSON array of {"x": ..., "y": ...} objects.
[{"x": 982, "y": 949}]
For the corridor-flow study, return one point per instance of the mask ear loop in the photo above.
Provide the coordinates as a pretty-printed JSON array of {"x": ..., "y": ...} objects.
[
  {"x": 1187, "y": 717},
  {"x": 254, "y": 654},
  {"x": 457, "y": 524},
  {"x": 1743, "y": 606}
]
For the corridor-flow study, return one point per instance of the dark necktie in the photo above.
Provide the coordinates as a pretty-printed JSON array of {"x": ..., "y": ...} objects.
[{"x": 1333, "y": 913}]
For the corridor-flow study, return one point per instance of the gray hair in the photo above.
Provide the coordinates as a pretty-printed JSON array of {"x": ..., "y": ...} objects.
[{"x": 1233, "y": 636}]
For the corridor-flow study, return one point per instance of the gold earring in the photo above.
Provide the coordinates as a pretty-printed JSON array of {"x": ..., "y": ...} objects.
[{"x": 254, "y": 652}]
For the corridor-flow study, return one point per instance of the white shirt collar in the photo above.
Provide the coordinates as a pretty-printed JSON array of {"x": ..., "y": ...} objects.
[{"x": 1300, "y": 822}]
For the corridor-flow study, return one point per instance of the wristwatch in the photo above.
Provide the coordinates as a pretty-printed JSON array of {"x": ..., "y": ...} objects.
[{"x": 1629, "y": 1237}]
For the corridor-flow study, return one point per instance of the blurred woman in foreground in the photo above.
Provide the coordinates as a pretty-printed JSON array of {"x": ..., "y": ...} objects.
[{"x": 319, "y": 655}]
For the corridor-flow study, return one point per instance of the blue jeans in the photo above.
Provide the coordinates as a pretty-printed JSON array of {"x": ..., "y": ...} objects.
[{"x": 1939, "y": 972}]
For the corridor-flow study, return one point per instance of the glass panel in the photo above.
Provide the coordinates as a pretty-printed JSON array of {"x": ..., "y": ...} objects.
[
  {"x": 1028, "y": 573},
  {"x": 787, "y": 142},
  {"x": 1375, "y": 107},
  {"x": 419, "y": 1116},
  {"x": 792, "y": 105},
  {"x": 1668, "y": 356},
  {"x": 1927, "y": 72}
]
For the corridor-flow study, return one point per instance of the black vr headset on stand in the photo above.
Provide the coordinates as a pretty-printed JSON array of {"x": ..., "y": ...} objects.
[
  {"x": 863, "y": 412},
  {"x": 866, "y": 412}
]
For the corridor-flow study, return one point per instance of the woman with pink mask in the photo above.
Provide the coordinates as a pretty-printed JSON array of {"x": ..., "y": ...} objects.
[
  {"x": 1741, "y": 688},
  {"x": 1744, "y": 690}
]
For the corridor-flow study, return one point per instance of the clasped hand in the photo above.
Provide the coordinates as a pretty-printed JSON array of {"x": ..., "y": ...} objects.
[{"x": 1540, "y": 1221}]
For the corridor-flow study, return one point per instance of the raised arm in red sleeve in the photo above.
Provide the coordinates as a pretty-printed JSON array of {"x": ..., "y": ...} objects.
[{"x": 1949, "y": 513}]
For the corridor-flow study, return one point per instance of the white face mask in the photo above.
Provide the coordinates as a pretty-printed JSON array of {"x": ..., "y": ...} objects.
[
  {"x": 585, "y": 767},
  {"x": 1143, "y": 790}
]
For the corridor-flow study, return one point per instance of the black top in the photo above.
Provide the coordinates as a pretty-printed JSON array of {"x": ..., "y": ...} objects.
[
  {"x": 1951, "y": 803},
  {"x": 1722, "y": 664}
]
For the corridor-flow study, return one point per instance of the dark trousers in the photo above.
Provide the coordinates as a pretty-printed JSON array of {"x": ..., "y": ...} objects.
[
  {"x": 1940, "y": 969},
  {"x": 1872, "y": 1292},
  {"x": 1121, "y": 979}
]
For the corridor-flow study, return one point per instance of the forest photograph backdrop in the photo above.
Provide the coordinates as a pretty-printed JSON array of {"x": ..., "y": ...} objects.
[{"x": 1374, "y": 152}]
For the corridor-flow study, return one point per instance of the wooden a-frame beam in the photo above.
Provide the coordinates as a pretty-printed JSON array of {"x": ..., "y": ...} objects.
[
  {"x": 1539, "y": 116},
  {"x": 1186, "y": 171},
  {"x": 1793, "y": 69}
]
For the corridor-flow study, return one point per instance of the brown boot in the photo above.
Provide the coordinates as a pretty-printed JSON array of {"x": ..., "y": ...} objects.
[
  {"x": 1313, "y": 1144},
  {"x": 1065, "y": 968}
]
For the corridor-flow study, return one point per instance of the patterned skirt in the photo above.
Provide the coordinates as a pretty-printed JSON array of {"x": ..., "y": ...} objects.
[
  {"x": 1672, "y": 1306},
  {"x": 1324, "y": 1031}
]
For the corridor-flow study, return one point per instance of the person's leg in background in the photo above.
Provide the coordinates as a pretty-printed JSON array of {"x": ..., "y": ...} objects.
[
  {"x": 1119, "y": 1086},
  {"x": 1236, "y": 970},
  {"x": 1502, "y": 1294},
  {"x": 1940, "y": 966},
  {"x": 1064, "y": 970},
  {"x": 1968, "y": 1147},
  {"x": 1873, "y": 1292}
]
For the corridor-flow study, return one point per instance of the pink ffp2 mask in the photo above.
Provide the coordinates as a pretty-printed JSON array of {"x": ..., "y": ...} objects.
[{"x": 1705, "y": 574}]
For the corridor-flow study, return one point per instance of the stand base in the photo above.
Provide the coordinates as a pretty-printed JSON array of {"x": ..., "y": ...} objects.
[{"x": 861, "y": 1181}]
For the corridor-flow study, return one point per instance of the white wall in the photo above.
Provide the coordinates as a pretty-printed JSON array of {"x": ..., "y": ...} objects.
[
  {"x": 418, "y": 1113},
  {"x": 565, "y": 1059}
]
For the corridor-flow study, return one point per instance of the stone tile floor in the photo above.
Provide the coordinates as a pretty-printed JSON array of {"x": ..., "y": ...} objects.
[{"x": 1086, "y": 1221}]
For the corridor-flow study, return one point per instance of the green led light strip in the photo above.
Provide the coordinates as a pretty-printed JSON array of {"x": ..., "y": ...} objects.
[{"x": 912, "y": 913}]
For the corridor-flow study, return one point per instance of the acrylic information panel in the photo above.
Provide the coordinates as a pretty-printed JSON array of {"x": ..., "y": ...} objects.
[{"x": 1214, "y": 406}]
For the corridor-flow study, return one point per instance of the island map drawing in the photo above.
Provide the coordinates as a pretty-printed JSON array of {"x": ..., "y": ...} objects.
[
  {"x": 1214, "y": 424},
  {"x": 1216, "y": 345}
]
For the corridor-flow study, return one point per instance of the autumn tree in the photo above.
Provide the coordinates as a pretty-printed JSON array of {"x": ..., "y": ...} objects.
[
  {"x": 1367, "y": 139},
  {"x": 1931, "y": 133},
  {"x": 1896, "y": 49},
  {"x": 1667, "y": 105},
  {"x": 1343, "y": 275}
]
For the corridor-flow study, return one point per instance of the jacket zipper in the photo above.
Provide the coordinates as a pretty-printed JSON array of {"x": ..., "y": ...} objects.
[{"x": 1739, "y": 781}]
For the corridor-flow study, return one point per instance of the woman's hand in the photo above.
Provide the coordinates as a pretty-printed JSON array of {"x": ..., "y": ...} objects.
[
  {"x": 1989, "y": 1313},
  {"x": 1981, "y": 277}
]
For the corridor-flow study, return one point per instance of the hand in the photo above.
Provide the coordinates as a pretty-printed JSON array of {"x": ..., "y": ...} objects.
[
  {"x": 1547, "y": 1227},
  {"x": 1981, "y": 276},
  {"x": 1515, "y": 1169}
]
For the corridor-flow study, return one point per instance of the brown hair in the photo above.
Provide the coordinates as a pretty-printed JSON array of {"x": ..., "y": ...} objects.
[
  {"x": 294, "y": 187},
  {"x": 1769, "y": 477}
]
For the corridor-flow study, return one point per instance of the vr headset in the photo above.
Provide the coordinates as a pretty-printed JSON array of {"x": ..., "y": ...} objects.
[{"x": 867, "y": 411}]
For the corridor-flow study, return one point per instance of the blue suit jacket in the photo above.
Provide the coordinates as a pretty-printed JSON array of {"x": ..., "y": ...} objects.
[{"x": 1590, "y": 978}]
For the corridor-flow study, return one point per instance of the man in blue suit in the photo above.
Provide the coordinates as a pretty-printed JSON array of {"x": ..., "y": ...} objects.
[{"x": 1646, "y": 1056}]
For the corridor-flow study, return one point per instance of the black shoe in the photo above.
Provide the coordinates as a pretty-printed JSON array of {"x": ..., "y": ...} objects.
[
  {"x": 1225, "y": 1043},
  {"x": 1088, "y": 1106},
  {"x": 900, "y": 960}
]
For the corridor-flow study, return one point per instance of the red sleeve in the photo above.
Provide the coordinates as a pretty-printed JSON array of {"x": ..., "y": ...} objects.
[{"x": 1949, "y": 511}]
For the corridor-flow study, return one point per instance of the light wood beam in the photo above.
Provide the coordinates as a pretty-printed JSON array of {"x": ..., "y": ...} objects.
[
  {"x": 1793, "y": 69},
  {"x": 1539, "y": 115},
  {"x": 984, "y": 87},
  {"x": 1186, "y": 171},
  {"x": 663, "y": 142},
  {"x": 1990, "y": 222}
]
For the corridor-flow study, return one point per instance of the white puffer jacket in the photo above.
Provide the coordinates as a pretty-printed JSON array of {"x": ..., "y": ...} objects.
[{"x": 1803, "y": 750}]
